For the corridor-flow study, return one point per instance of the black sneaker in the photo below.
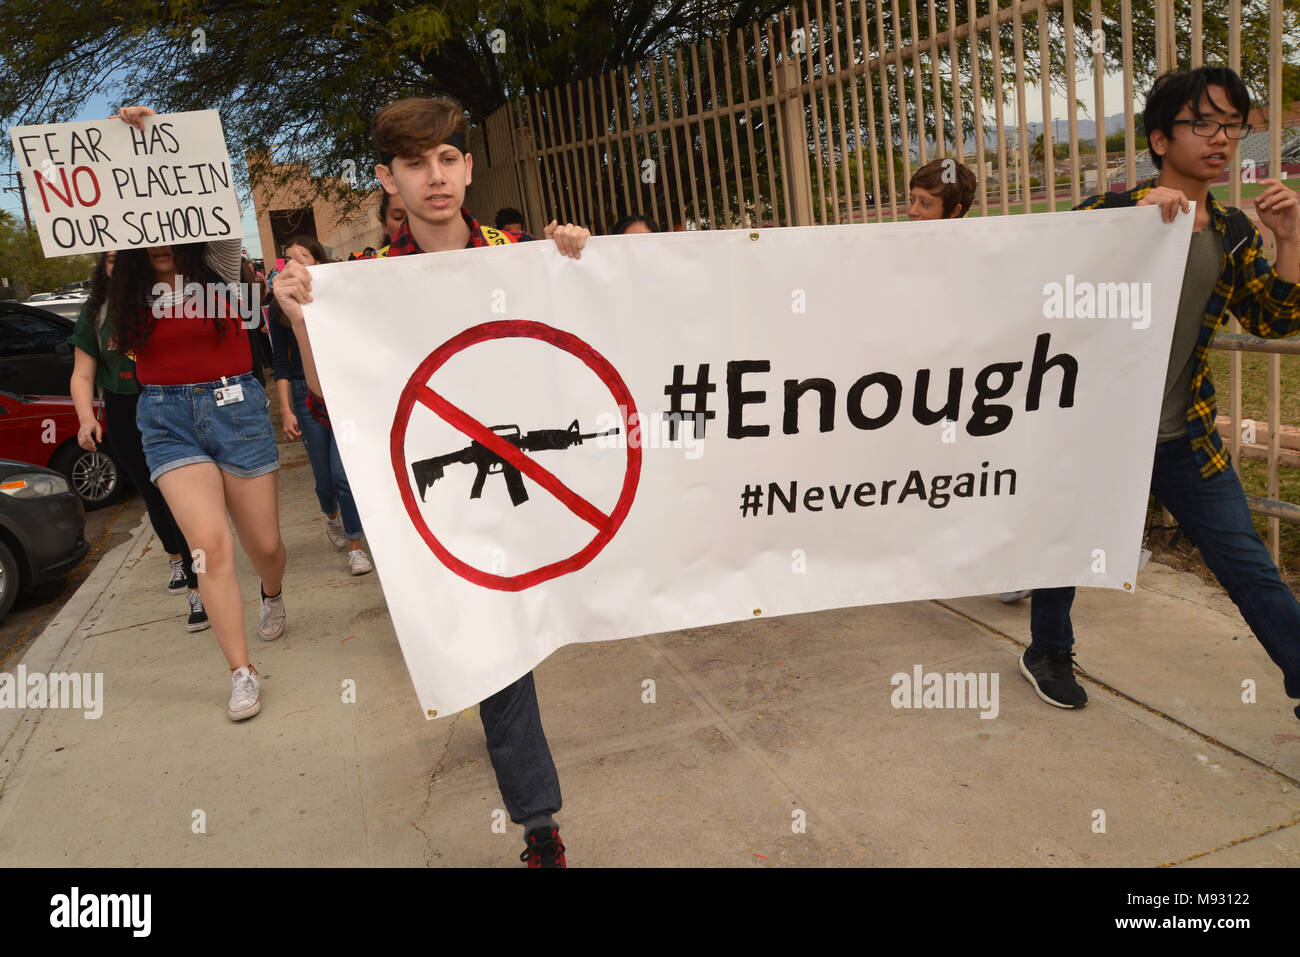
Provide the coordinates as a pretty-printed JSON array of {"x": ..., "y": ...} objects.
[
  {"x": 544, "y": 848},
  {"x": 176, "y": 584},
  {"x": 198, "y": 617},
  {"x": 1052, "y": 675}
]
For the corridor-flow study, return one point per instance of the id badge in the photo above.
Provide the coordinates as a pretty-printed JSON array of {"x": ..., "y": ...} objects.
[{"x": 230, "y": 394}]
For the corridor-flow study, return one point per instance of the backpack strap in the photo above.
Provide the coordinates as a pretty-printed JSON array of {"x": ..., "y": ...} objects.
[{"x": 495, "y": 237}]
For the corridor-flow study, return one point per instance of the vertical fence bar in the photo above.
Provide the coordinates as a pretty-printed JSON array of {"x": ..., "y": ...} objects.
[
  {"x": 849, "y": 199},
  {"x": 717, "y": 136},
  {"x": 958, "y": 134},
  {"x": 749, "y": 123},
  {"x": 999, "y": 103},
  {"x": 1072, "y": 99},
  {"x": 562, "y": 209},
  {"x": 735, "y": 138},
  {"x": 600, "y": 151},
  {"x": 607, "y": 79},
  {"x": 1130, "y": 142},
  {"x": 977, "y": 105},
  {"x": 579, "y": 153},
  {"x": 793, "y": 127},
  {"x": 869, "y": 91},
  {"x": 820, "y": 213},
  {"x": 917, "y": 102},
  {"x": 704, "y": 136},
  {"x": 1098, "y": 94},
  {"x": 648, "y": 121},
  {"x": 1045, "y": 84},
  {"x": 1198, "y": 41},
  {"x": 1022, "y": 121},
  {"x": 690, "y": 139},
  {"x": 935, "y": 86},
  {"x": 902, "y": 103},
  {"x": 661, "y": 183},
  {"x": 767, "y": 120},
  {"x": 885, "y": 112},
  {"x": 860, "y": 197},
  {"x": 671, "y": 123}
]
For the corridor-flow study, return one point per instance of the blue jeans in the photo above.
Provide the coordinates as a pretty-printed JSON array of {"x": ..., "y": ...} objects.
[
  {"x": 520, "y": 755},
  {"x": 1214, "y": 515},
  {"x": 183, "y": 425},
  {"x": 332, "y": 489}
]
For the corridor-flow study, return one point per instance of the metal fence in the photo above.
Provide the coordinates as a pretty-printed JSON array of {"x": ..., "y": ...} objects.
[{"x": 820, "y": 115}]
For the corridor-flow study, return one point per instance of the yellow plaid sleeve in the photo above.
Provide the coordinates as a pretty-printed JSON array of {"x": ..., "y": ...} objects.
[{"x": 1264, "y": 303}]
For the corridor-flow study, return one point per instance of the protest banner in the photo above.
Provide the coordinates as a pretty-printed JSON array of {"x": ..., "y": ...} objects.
[
  {"x": 103, "y": 184},
  {"x": 683, "y": 430}
]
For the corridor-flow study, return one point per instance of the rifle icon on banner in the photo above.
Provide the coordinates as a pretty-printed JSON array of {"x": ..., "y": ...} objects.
[{"x": 428, "y": 471}]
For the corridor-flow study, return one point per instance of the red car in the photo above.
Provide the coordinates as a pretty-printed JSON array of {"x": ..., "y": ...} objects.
[{"x": 42, "y": 430}]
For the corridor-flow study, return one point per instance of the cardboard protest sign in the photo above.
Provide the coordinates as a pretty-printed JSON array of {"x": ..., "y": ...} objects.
[
  {"x": 682, "y": 430},
  {"x": 104, "y": 184}
]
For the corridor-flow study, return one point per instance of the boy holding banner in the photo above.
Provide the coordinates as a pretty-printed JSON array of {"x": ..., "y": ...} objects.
[
  {"x": 423, "y": 159},
  {"x": 1193, "y": 121}
]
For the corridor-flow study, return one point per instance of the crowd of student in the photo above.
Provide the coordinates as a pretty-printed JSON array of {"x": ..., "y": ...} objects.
[{"x": 193, "y": 418}]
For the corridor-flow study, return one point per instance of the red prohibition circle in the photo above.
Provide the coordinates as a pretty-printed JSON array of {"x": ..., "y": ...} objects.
[{"x": 417, "y": 387}]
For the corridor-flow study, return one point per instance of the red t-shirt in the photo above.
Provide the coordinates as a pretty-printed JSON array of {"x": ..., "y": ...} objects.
[{"x": 186, "y": 348}]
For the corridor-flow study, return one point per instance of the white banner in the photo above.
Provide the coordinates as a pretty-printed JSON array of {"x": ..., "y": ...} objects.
[
  {"x": 101, "y": 185},
  {"x": 802, "y": 419}
]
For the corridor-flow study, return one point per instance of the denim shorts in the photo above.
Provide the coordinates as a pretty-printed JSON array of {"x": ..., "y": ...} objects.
[{"x": 182, "y": 425}]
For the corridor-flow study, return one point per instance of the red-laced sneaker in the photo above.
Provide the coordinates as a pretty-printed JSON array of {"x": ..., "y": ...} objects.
[{"x": 544, "y": 848}]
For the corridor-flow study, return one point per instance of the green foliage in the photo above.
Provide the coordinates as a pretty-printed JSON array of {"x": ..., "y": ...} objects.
[{"x": 23, "y": 263}]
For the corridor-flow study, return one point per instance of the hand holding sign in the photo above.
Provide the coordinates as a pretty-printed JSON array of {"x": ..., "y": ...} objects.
[{"x": 149, "y": 180}]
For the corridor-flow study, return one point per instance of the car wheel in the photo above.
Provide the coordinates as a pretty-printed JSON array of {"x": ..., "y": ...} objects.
[
  {"x": 94, "y": 476},
  {"x": 8, "y": 579}
]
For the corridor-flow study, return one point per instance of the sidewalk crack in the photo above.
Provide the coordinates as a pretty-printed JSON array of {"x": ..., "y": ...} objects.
[{"x": 429, "y": 852}]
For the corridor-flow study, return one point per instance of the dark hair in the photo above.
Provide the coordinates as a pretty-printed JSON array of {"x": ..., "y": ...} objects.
[
  {"x": 508, "y": 214},
  {"x": 951, "y": 180},
  {"x": 310, "y": 244},
  {"x": 1172, "y": 91},
  {"x": 414, "y": 125},
  {"x": 130, "y": 295},
  {"x": 98, "y": 289},
  {"x": 627, "y": 222},
  {"x": 383, "y": 216}
]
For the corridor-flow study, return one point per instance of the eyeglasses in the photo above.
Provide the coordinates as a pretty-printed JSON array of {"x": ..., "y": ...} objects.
[{"x": 1209, "y": 128}]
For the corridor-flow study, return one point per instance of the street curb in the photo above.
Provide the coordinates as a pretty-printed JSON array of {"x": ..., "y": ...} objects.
[{"x": 61, "y": 641}]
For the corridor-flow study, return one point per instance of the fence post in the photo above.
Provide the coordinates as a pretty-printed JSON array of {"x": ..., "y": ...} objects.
[{"x": 798, "y": 174}]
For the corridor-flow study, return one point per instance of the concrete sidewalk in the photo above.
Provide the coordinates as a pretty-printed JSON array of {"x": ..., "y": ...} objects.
[{"x": 752, "y": 723}]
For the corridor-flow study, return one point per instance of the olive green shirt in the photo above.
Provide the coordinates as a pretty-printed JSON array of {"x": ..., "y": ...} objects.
[
  {"x": 114, "y": 372},
  {"x": 1204, "y": 264}
]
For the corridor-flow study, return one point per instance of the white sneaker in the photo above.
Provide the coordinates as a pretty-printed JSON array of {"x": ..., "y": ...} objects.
[
  {"x": 334, "y": 531},
  {"x": 359, "y": 562},
  {"x": 246, "y": 696},
  {"x": 270, "y": 620},
  {"x": 1011, "y": 597}
]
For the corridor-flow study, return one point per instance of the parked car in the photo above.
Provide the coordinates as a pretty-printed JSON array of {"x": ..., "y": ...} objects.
[
  {"x": 42, "y": 430},
  {"x": 69, "y": 306},
  {"x": 42, "y": 529},
  {"x": 35, "y": 357}
]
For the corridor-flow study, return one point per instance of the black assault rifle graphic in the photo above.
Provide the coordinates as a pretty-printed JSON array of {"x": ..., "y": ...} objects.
[{"x": 428, "y": 471}]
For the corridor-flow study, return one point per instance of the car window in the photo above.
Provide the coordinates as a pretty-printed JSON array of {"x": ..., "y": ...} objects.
[{"x": 23, "y": 335}]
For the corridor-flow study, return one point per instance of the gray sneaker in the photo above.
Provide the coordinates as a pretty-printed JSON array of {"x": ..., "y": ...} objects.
[
  {"x": 245, "y": 695},
  {"x": 270, "y": 620}
]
